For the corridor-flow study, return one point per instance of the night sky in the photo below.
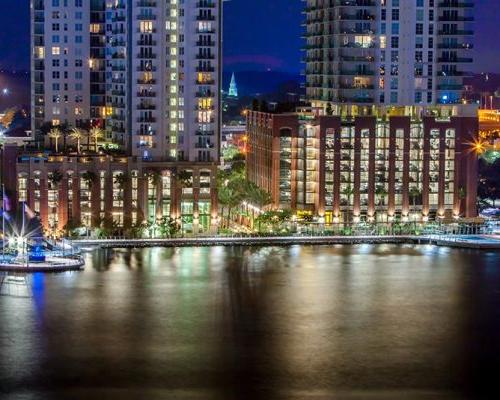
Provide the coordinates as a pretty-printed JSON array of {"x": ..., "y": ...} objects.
[{"x": 259, "y": 34}]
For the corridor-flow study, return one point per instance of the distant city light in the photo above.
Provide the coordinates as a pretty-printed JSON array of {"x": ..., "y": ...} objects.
[{"x": 5, "y": 91}]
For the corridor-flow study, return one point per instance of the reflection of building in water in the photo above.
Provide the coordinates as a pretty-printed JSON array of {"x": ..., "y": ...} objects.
[{"x": 15, "y": 285}]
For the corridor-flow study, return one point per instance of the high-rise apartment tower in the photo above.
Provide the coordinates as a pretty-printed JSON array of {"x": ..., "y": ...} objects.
[
  {"x": 364, "y": 55},
  {"x": 147, "y": 71}
]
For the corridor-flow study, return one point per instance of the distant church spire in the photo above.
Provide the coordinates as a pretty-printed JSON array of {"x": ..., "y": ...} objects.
[{"x": 233, "y": 89}]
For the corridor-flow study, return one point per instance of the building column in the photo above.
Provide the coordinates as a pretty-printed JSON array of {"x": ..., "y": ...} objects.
[
  {"x": 142, "y": 198},
  {"x": 31, "y": 193},
  {"x": 425, "y": 170},
  {"x": 75, "y": 206},
  {"x": 108, "y": 194},
  {"x": 127, "y": 201},
  {"x": 159, "y": 197},
  {"x": 320, "y": 204},
  {"x": 62, "y": 204},
  {"x": 405, "y": 208},
  {"x": 371, "y": 174},
  {"x": 357, "y": 172},
  {"x": 196, "y": 211},
  {"x": 275, "y": 172},
  {"x": 442, "y": 171},
  {"x": 391, "y": 198},
  {"x": 44, "y": 207},
  {"x": 293, "y": 172},
  {"x": 95, "y": 199},
  {"x": 214, "y": 203},
  {"x": 336, "y": 173}
]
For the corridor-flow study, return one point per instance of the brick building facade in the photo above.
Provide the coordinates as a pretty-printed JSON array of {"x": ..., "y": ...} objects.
[
  {"x": 341, "y": 169},
  {"x": 86, "y": 190}
]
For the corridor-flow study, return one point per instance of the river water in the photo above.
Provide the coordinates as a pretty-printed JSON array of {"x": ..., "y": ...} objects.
[{"x": 299, "y": 322}]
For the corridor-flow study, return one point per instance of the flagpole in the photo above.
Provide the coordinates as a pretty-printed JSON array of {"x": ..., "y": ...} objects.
[
  {"x": 23, "y": 238},
  {"x": 3, "y": 222}
]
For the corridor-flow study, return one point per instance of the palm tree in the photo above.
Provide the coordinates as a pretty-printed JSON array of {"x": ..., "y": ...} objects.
[
  {"x": 258, "y": 196},
  {"x": 89, "y": 177},
  {"x": 96, "y": 133},
  {"x": 55, "y": 177},
  {"x": 381, "y": 194},
  {"x": 55, "y": 134},
  {"x": 348, "y": 192},
  {"x": 77, "y": 134},
  {"x": 414, "y": 193},
  {"x": 121, "y": 179},
  {"x": 185, "y": 178}
]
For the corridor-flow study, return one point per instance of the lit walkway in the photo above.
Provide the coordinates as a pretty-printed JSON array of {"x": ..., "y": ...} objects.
[{"x": 479, "y": 241}]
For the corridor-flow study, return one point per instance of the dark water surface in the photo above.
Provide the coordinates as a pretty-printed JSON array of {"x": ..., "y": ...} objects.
[{"x": 302, "y": 322}]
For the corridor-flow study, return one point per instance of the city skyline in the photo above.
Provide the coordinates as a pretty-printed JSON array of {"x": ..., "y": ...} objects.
[{"x": 247, "y": 30}]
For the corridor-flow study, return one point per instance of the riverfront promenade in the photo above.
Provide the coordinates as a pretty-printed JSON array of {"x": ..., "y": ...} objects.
[{"x": 463, "y": 241}]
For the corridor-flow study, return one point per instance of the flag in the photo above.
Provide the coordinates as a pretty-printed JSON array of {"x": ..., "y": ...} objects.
[
  {"x": 5, "y": 214},
  {"x": 29, "y": 212},
  {"x": 6, "y": 202}
]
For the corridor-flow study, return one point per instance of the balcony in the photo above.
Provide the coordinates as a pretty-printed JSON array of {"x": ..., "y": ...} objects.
[
  {"x": 452, "y": 73},
  {"x": 205, "y": 30},
  {"x": 362, "y": 100},
  {"x": 458, "y": 46},
  {"x": 146, "y": 81},
  {"x": 205, "y": 56},
  {"x": 205, "y": 82},
  {"x": 205, "y": 94},
  {"x": 455, "y": 60},
  {"x": 146, "y": 94},
  {"x": 458, "y": 32},
  {"x": 207, "y": 17},
  {"x": 206, "y": 43},
  {"x": 143, "y": 68},
  {"x": 204, "y": 146},
  {"x": 456, "y": 4},
  {"x": 205, "y": 133},
  {"x": 450, "y": 87},
  {"x": 146, "y": 17},
  {"x": 455, "y": 18},
  {"x": 146, "y": 55},
  {"x": 146, "y": 42},
  {"x": 146, "y": 119},
  {"x": 146, "y": 3},
  {"x": 146, "y": 133},
  {"x": 146, "y": 106},
  {"x": 205, "y": 69},
  {"x": 355, "y": 73},
  {"x": 205, "y": 4}
]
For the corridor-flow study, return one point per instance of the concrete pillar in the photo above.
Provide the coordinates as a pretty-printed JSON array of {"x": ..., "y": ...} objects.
[
  {"x": 95, "y": 198},
  {"x": 426, "y": 166},
  {"x": 44, "y": 207},
  {"x": 76, "y": 206},
  {"x": 62, "y": 204},
  {"x": 127, "y": 201}
]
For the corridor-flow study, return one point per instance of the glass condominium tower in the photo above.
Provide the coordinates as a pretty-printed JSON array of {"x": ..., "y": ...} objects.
[
  {"x": 366, "y": 55},
  {"x": 164, "y": 77},
  {"x": 146, "y": 71}
]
